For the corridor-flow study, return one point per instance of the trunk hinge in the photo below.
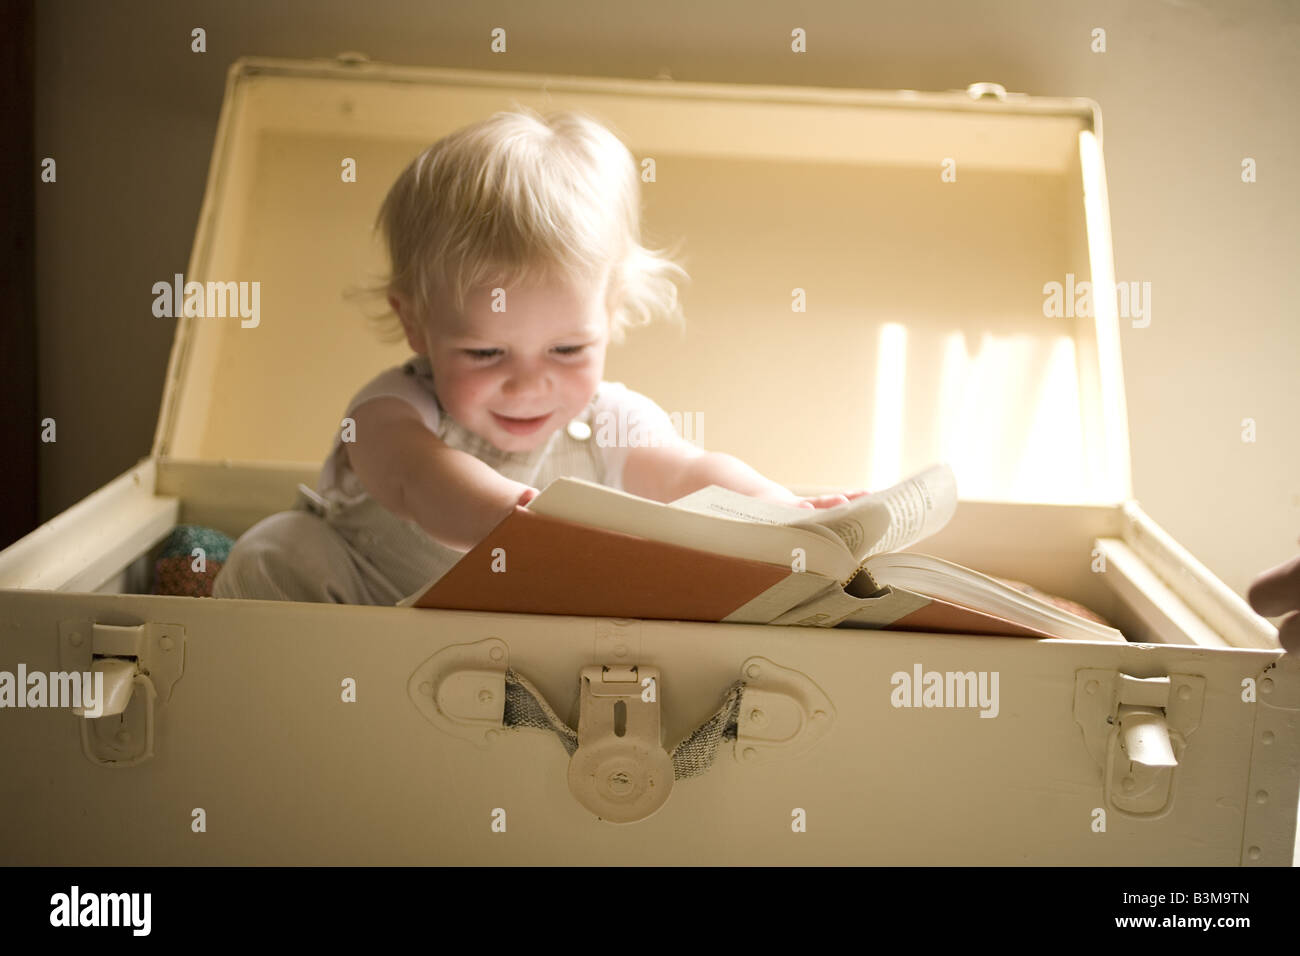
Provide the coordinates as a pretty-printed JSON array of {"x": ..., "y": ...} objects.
[
  {"x": 783, "y": 713},
  {"x": 461, "y": 690}
]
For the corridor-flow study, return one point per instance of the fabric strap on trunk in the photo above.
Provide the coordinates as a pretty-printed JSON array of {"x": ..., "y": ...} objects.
[{"x": 694, "y": 755}]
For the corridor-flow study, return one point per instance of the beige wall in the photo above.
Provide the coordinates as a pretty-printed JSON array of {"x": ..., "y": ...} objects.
[{"x": 1187, "y": 90}]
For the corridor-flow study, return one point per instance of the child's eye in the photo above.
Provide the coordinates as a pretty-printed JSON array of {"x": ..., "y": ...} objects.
[{"x": 482, "y": 355}]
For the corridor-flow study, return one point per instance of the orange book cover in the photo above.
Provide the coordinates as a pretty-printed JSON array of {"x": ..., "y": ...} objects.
[{"x": 549, "y": 566}]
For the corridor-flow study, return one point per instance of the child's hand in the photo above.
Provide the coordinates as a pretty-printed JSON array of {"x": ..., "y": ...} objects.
[
  {"x": 819, "y": 501},
  {"x": 527, "y": 495},
  {"x": 832, "y": 500},
  {"x": 1276, "y": 592}
]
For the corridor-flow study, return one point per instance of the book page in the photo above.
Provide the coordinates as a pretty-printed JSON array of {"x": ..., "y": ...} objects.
[
  {"x": 957, "y": 584},
  {"x": 724, "y": 503},
  {"x": 721, "y": 531},
  {"x": 888, "y": 520},
  {"x": 895, "y": 518}
]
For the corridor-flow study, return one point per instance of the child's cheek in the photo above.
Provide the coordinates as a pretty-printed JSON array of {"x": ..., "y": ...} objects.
[{"x": 463, "y": 388}]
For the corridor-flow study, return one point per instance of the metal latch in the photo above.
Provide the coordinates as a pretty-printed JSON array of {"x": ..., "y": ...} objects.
[
  {"x": 131, "y": 667},
  {"x": 979, "y": 91},
  {"x": 1136, "y": 730},
  {"x": 620, "y": 771}
]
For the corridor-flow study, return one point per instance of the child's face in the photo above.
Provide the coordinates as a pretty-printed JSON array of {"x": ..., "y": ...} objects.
[{"x": 543, "y": 356}]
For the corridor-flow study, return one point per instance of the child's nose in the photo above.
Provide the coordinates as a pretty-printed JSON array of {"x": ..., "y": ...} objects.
[{"x": 525, "y": 377}]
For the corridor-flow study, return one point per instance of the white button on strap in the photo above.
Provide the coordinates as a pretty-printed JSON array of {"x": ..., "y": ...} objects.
[{"x": 579, "y": 430}]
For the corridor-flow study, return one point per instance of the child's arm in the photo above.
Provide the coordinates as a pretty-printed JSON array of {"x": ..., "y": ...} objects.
[
  {"x": 669, "y": 472},
  {"x": 456, "y": 498}
]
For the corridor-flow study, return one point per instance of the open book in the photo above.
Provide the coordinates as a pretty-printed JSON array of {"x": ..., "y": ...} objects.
[{"x": 715, "y": 555}]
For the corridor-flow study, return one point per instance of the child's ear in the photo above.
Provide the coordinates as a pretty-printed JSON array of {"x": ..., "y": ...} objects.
[{"x": 414, "y": 333}]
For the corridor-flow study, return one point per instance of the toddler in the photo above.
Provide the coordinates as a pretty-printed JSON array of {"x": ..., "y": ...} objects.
[{"x": 516, "y": 259}]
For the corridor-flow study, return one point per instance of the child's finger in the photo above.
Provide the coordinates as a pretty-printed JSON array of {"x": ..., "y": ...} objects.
[
  {"x": 826, "y": 501},
  {"x": 1277, "y": 590},
  {"x": 1288, "y": 633}
]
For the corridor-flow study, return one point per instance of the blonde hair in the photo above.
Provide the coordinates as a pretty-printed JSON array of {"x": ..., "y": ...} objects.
[{"x": 520, "y": 197}]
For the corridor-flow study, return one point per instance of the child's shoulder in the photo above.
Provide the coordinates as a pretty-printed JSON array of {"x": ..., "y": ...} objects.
[
  {"x": 412, "y": 381},
  {"x": 617, "y": 397},
  {"x": 615, "y": 401},
  {"x": 416, "y": 368},
  {"x": 616, "y": 392}
]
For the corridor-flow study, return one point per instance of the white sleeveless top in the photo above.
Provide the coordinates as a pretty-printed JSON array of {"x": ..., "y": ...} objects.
[{"x": 396, "y": 556}]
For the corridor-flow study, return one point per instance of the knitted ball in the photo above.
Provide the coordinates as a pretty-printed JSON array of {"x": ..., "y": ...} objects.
[{"x": 174, "y": 570}]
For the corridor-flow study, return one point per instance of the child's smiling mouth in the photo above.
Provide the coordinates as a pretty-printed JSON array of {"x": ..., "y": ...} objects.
[{"x": 521, "y": 426}]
